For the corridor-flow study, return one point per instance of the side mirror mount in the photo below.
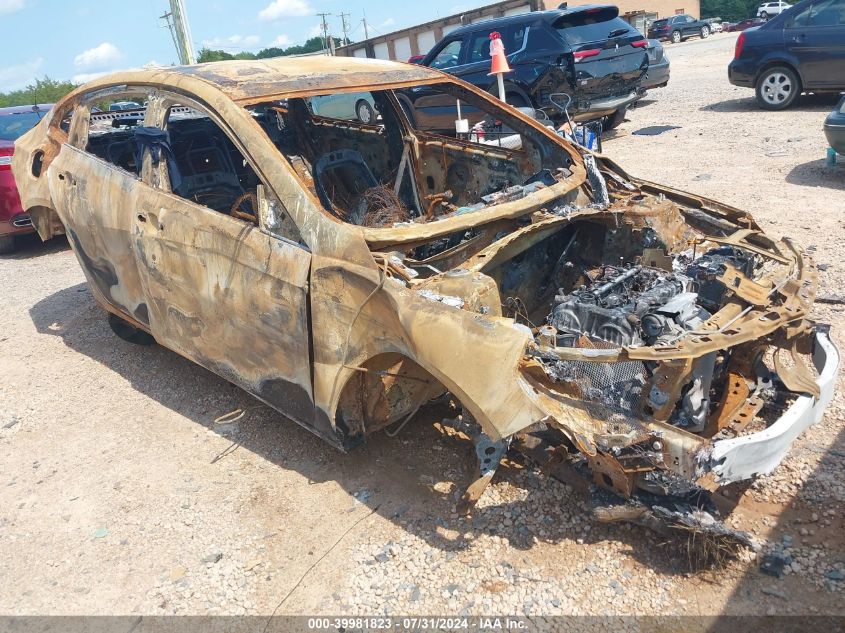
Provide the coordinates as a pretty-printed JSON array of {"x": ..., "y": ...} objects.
[
  {"x": 273, "y": 218},
  {"x": 267, "y": 216}
]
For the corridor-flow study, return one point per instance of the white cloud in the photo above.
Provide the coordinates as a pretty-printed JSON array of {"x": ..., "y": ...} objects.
[
  {"x": 10, "y": 6},
  {"x": 233, "y": 41},
  {"x": 388, "y": 22},
  {"x": 84, "y": 78},
  {"x": 284, "y": 9},
  {"x": 14, "y": 77},
  {"x": 281, "y": 41},
  {"x": 98, "y": 57},
  {"x": 315, "y": 31}
]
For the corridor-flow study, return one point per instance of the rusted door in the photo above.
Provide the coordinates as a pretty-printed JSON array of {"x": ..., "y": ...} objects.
[
  {"x": 94, "y": 199},
  {"x": 228, "y": 296}
]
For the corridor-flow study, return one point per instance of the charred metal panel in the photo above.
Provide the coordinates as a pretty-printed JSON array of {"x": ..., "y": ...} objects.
[
  {"x": 95, "y": 201},
  {"x": 228, "y": 296}
]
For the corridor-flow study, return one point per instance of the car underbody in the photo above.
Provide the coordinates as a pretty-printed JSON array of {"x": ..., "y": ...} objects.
[{"x": 651, "y": 344}]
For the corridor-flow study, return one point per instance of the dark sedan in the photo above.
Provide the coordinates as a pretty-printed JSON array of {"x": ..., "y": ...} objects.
[
  {"x": 834, "y": 128},
  {"x": 800, "y": 50}
]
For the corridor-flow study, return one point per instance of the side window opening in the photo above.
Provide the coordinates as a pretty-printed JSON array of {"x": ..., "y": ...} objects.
[
  {"x": 513, "y": 37},
  {"x": 207, "y": 169},
  {"x": 449, "y": 56},
  {"x": 827, "y": 13},
  {"x": 111, "y": 133},
  {"x": 800, "y": 20},
  {"x": 542, "y": 39}
]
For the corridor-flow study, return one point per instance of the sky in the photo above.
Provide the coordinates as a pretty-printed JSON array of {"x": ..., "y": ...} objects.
[{"x": 83, "y": 39}]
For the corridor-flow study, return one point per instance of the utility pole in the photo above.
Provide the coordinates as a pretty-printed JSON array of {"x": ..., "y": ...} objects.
[
  {"x": 180, "y": 31},
  {"x": 364, "y": 22},
  {"x": 343, "y": 17},
  {"x": 325, "y": 28}
]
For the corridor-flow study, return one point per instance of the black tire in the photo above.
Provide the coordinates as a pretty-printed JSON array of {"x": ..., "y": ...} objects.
[
  {"x": 705, "y": 32},
  {"x": 129, "y": 332},
  {"x": 676, "y": 37},
  {"x": 364, "y": 112},
  {"x": 517, "y": 100},
  {"x": 764, "y": 15},
  {"x": 613, "y": 121},
  {"x": 777, "y": 88},
  {"x": 408, "y": 109},
  {"x": 7, "y": 244}
]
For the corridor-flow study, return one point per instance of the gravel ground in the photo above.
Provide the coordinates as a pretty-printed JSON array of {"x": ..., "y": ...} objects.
[{"x": 119, "y": 494}]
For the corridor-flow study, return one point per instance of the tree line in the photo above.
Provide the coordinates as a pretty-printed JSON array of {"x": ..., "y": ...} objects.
[
  {"x": 313, "y": 45},
  {"x": 44, "y": 90},
  {"x": 730, "y": 10}
]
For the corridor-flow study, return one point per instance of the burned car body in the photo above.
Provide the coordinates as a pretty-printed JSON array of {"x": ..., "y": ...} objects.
[{"x": 346, "y": 273}]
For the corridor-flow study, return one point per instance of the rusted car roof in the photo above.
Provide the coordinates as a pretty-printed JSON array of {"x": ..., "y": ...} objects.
[{"x": 252, "y": 81}]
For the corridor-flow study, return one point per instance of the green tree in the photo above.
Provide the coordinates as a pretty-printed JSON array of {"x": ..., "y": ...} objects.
[
  {"x": 732, "y": 10},
  {"x": 313, "y": 45},
  {"x": 44, "y": 90},
  {"x": 209, "y": 55}
]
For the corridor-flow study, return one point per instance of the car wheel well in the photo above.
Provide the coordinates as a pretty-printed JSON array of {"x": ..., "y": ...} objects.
[
  {"x": 515, "y": 92},
  {"x": 775, "y": 64},
  {"x": 387, "y": 388}
]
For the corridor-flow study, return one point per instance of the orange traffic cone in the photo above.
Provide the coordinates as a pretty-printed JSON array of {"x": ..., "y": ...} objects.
[{"x": 499, "y": 64}]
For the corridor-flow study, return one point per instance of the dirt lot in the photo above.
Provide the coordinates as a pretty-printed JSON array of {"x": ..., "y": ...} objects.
[{"x": 119, "y": 493}]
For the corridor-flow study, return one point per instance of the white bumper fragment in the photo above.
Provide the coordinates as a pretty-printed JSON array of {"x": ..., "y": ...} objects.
[{"x": 759, "y": 453}]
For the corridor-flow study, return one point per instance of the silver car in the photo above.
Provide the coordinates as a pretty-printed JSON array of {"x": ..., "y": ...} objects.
[{"x": 355, "y": 106}]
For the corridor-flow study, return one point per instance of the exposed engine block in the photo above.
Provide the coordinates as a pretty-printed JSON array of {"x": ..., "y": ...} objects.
[
  {"x": 628, "y": 307},
  {"x": 705, "y": 269}
]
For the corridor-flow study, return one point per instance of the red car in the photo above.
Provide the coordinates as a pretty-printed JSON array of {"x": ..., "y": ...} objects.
[
  {"x": 14, "y": 122},
  {"x": 746, "y": 24}
]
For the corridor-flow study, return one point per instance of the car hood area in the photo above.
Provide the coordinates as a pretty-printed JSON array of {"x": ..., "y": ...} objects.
[{"x": 647, "y": 340}]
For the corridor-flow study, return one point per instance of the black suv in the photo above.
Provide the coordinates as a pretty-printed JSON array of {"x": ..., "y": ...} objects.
[
  {"x": 678, "y": 28},
  {"x": 800, "y": 50},
  {"x": 586, "y": 52}
]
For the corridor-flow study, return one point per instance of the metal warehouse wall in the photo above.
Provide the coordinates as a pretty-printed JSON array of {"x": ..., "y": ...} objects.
[{"x": 418, "y": 40}]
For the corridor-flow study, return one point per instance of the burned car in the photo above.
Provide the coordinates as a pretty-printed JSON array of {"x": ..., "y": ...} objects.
[{"x": 345, "y": 273}]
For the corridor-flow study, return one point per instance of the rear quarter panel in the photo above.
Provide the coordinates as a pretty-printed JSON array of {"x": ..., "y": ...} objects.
[{"x": 34, "y": 191}]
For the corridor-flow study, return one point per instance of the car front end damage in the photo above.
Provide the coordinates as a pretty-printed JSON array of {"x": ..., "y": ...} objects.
[
  {"x": 666, "y": 349},
  {"x": 643, "y": 343}
]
